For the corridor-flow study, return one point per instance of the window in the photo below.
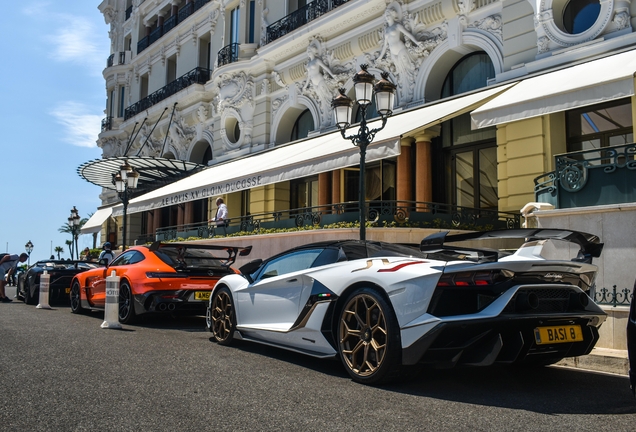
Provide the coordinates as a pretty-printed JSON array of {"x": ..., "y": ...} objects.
[
  {"x": 468, "y": 168},
  {"x": 128, "y": 257},
  {"x": 252, "y": 21},
  {"x": 580, "y": 15},
  {"x": 122, "y": 99},
  {"x": 234, "y": 26},
  {"x": 599, "y": 126},
  {"x": 111, "y": 103},
  {"x": 303, "y": 125},
  {"x": 304, "y": 192},
  {"x": 293, "y": 262},
  {"x": 379, "y": 182}
]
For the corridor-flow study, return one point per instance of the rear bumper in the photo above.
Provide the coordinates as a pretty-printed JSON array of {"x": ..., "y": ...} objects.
[
  {"x": 173, "y": 302},
  {"x": 503, "y": 339}
]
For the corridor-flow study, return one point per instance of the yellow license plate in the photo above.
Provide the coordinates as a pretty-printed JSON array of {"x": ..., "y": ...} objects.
[
  {"x": 67, "y": 290},
  {"x": 558, "y": 334},
  {"x": 202, "y": 295}
]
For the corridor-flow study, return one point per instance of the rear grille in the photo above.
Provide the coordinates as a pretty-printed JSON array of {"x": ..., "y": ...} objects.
[{"x": 550, "y": 300}]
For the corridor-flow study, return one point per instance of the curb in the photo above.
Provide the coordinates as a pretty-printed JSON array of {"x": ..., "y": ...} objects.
[{"x": 600, "y": 360}]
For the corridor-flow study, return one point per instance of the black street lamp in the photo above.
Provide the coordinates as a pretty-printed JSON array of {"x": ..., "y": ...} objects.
[
  {"x": 365, "y": 87},
  {"x": 29, "y": 248},
  {"x": 73, "y": 223},
  {"x": 125, "y": 181}
]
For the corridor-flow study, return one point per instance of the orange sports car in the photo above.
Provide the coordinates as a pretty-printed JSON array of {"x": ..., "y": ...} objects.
[{"x": 169, "y": 278}]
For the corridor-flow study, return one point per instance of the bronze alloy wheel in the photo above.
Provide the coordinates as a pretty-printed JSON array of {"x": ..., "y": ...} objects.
[
  {"x": 221, "y": 316},
  {"x": 366, "y": 337}
]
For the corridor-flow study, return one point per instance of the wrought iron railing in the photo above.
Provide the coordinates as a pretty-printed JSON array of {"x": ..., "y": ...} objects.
[
  {"x": 590, "y": 177},
  {"x": 300, "y": 17},
  {"x": 197, "y": 75},
  {"x": 155, "y": 35},
  {"x": 407, "y": 214},
  {"x": 109, "y": 60},
  {"x": 121, "y": 56},
  {"x": 107, "y": 123},
  {"x": 228, "y": 54},
  {"x": 129, "y": 12},
  {"x": 614, "y": 297},
  {"x": 170, "y": 23}
]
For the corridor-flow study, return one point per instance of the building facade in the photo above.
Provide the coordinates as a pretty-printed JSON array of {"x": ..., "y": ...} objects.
[{"x": 489, "y": 94}]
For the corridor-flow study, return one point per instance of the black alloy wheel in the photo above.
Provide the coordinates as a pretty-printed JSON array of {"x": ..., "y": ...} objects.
[
  {"x": 75, "y": 298},
  {"x": 220, "y": 317},
  {"x": 126, "y": 307},
  {"x": 369, "y": 338},
  {"x": 30, "y": 294}
]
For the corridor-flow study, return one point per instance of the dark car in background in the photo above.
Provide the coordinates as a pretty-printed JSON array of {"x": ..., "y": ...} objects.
[{"x": 61, "y": 272}]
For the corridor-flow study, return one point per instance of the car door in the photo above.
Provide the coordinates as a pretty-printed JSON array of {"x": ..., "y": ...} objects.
[
  {"x": 96, "y": 287},
  {"x": 272, "y": 301}
]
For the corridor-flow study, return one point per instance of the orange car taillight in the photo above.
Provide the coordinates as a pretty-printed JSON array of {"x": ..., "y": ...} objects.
[{"x": 478, "y": 278}]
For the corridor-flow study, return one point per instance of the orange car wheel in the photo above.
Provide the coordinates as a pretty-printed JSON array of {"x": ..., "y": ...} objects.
[
  {"x": 76, "y": 302},
  {"x": 126, "y": 304}
]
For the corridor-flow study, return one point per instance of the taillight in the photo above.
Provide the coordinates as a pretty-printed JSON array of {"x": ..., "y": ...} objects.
[{"x": 478, "y": 278}]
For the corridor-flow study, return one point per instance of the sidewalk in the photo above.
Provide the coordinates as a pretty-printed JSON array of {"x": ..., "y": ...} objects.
[{"x": 600, "y": 360}]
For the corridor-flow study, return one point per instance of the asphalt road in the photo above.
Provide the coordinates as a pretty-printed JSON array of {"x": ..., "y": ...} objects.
[{"x": 62, "y": 372}]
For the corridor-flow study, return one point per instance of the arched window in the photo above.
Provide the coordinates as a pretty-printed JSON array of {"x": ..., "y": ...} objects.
[
  {"x": 303, "y": 125},
  {"x": 469, "y": 176}
]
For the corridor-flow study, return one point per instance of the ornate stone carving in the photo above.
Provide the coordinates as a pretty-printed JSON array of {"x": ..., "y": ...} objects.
[
  {"x": 491, "y": 24},
  {"x": 146, "y": 145},
  {"x": 235, "y": 90},
  {"x": 111, "y": 147},
  {"x": 405, "y": 44},
  {"x": 543, "y": 44},
  {"x": 217, "y": 10},
  {"x": 325, "y": 74},
  {"x": 621, "y": 20},
  {"x": 180, "y": 135},
  {"x": 202, "y": 114},
  {"x": 264, "y": 25},
  {"x": 266, "y": 87}
]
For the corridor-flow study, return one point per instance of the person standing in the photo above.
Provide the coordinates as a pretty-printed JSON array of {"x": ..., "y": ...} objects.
[
  {"x": 8, "y": 265},
  {"x": 107, "y": 254},
  {"x": 221, "y": 217}
]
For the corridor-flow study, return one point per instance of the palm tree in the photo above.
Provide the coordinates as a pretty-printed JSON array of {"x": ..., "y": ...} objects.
[
  {"x": 59, "y": 250},
  {"x": 74, "y": 232},
  {"x": 69, "y": 243}
]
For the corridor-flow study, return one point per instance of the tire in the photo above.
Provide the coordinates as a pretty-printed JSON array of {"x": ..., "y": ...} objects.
[
  {"x": 369, "y": 342},
  {"x": 29, "y": 298},
  {"x": 126, "y": 304},
  {"x": 220, "y": 316},
  {"x": 76, "y": 298}
]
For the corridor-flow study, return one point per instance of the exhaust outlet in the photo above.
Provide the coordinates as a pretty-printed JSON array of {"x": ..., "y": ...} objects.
[
  {"x": 171, "y": 306},
  {"x": 161, "y": 306},
  {"x": 527, "y": 301}
]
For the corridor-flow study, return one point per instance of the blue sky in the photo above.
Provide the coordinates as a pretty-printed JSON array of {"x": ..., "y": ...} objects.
[{"x": 53, "y": 98}]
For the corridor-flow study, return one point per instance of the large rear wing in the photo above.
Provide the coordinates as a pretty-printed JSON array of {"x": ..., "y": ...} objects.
[
  {"x": 590, "y": 245},
  {"x": 230, "y": 252}
]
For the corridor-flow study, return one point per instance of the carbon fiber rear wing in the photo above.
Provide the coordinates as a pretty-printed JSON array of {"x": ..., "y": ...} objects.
[
  {"x": 231, "y": 251},
  {"x": 590, "y": 245}
]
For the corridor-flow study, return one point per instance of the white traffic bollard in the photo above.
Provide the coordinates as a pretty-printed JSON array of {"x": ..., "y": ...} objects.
[
  {"x": 111, "y": 307},
  {"x": 44, "y": 291}
]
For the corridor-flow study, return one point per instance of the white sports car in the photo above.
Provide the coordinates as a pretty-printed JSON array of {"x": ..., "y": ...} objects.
[{"x": 384, "y": 307}]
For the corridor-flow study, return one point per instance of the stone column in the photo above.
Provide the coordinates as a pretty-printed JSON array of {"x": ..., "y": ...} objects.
[
  {"x": 160, "y": 17},
  {"x": 156, "y": 220},
  {"x": 175, "y": 7},
  {"x": 404, "y": 180},
  {"x": 324, "y": 191},
  {"x": 423, "y": 168},
  {"x": 335, "y": 186},
  {"x": 180, "y": 214},
  {"x": 150, "y": 223},
  {"x": 188, "y": 216}
]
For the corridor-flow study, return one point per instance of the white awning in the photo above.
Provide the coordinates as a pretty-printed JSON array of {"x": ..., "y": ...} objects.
[
  {"x": 309, "y": 157},
  {"x": 597, "y": 81},
  {"x": 94, "y": 224}
]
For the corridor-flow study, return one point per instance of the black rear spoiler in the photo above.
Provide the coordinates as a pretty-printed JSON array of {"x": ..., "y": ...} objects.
[
  {"x": 232, "y": 251},
  {"x": 590, "y": 245}
]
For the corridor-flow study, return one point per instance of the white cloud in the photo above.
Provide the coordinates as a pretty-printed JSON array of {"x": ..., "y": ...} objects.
[
  {"x": 74, "y": 38},
  {"x": 80, "y": 126}
]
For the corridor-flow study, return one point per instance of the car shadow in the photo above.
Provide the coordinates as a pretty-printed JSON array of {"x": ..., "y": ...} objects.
[{"x": 547, "y": 390}]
